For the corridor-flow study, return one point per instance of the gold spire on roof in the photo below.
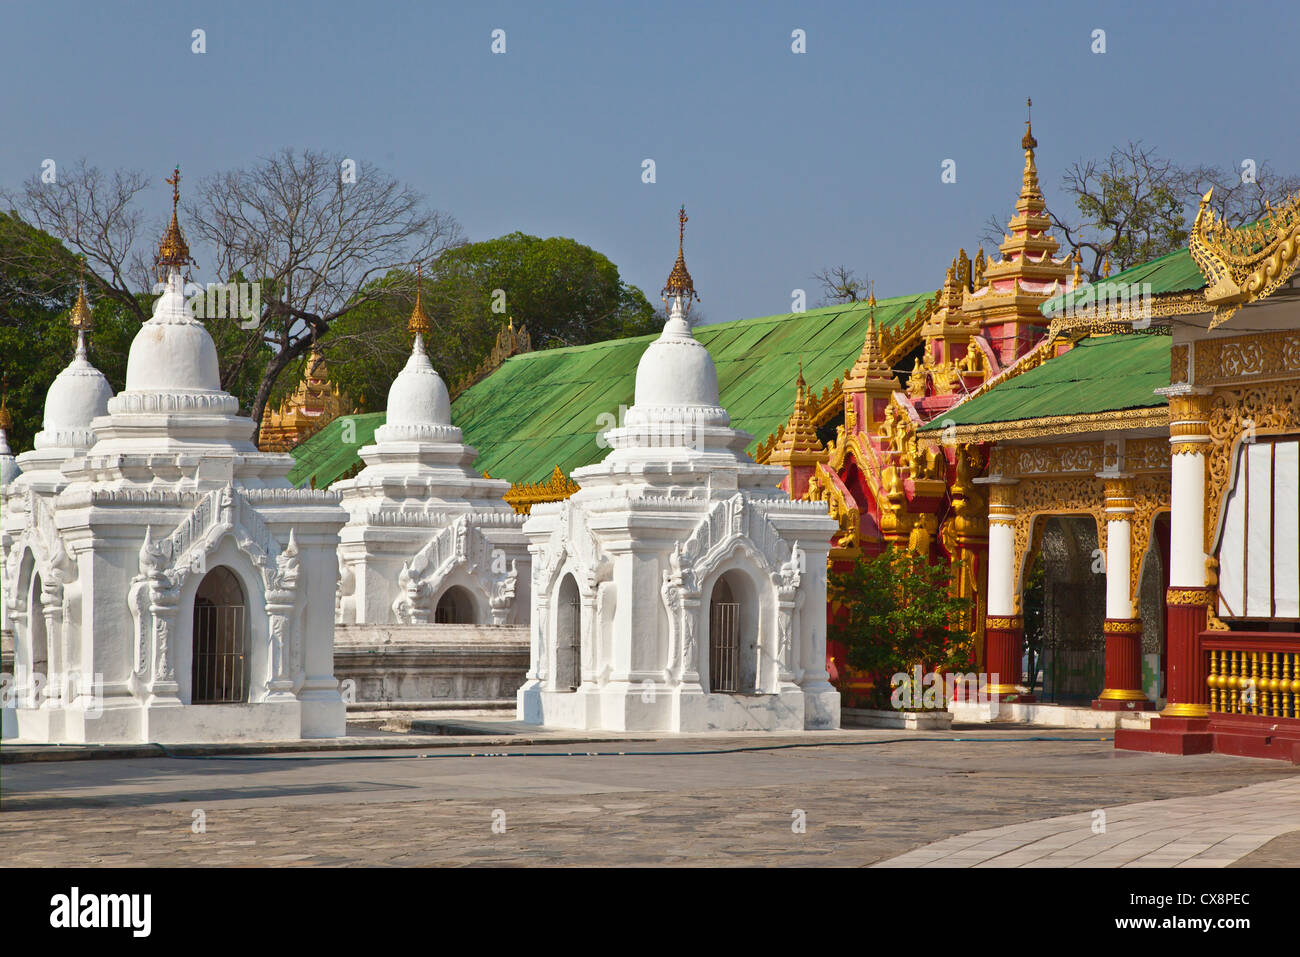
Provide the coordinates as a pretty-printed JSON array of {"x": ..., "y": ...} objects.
[
  {"x": 799, "y": 439},
  {"x": 679, "y": 280},
  {"x": 80, "y": 318},
  {"x": 419, "y": 322},
  {"x": 173, "y": 250},
  {"x": 871, "y": 365}
]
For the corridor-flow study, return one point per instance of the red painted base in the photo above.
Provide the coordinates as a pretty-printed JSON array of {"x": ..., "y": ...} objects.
[
  {"x": 1108, "y": 704},
  {"x": 1242, "y": 735}
]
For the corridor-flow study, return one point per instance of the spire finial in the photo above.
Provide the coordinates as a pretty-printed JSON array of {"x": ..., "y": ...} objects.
[
  {"x": 1028, "y": 142},
  {"x": 80, "y": 318},
  {"x": 419, "y": 324},
  {"x": 173, "y": 250},
  {"x": 680, "y": 285}
]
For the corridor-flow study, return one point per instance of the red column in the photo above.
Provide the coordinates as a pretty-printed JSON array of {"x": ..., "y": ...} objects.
[
  {"x": 1004, "y": 640},
  {"x": 1185, "y": 614},
  {"x": 1123, "y": 666}
]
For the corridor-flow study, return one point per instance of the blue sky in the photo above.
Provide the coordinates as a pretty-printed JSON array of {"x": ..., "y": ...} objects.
[{"x": 786, "y": 162}]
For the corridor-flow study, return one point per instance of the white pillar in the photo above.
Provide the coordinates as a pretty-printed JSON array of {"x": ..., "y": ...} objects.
[
  {"x": 1119, "y": 549},
  {"x": 1002, "y": 555}
]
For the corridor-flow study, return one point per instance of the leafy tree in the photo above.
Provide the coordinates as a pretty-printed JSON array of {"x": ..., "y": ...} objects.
[
  {"x": 564, "y": 292},
  {"x": 313, "y": 229},
  {"x": 894, "y": 611},
  {"x": 36, "y": 342}
]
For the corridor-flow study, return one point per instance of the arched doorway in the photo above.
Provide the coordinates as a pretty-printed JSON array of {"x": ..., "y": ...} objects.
[
  {"x": 220, "y": 670},
  {"x": 568, "y": 636},
  {"x": 733, "y": 636},
  {"x": 455, "y": 607}
]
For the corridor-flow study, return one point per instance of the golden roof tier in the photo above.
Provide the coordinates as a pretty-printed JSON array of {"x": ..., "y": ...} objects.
[
  {"x": 1014, "y": 287},
  {"x": 315, "y": 403}
]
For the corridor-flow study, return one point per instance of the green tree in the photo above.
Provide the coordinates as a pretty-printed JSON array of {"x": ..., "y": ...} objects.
[
  {"x": 564, "y": 292},
  {"x": 894, "y": 611},
  {"x": 36, "y": 342}
]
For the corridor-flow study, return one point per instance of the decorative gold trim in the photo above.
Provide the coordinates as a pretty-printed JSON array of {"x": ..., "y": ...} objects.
[
  {"x": 1121, "y": 626},
  {"x": 1246, "y": 264},
  {"x": 1186, "y": 710},
  {"x": 522, "y": 496},
  {"x": 1121, "y": 694},
  {"x": 1003, "y": 622},
  {"x": 1189, "y": 597},
  {"x": 1055, "y": 425}
]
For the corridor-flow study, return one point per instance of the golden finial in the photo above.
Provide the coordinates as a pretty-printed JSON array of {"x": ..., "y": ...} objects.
[
  {"x": 679, "y": 280},
  {"x": 80, "y": 318},
  {"x": 1078, "y": 267},
  {"x": 173, "y": 250},
  {"x": 1028, "y": 142},
  {"x": 1105, "y": 267},
  {"x": 419, "y": 324},
  {"x": 6, "y": 420}
]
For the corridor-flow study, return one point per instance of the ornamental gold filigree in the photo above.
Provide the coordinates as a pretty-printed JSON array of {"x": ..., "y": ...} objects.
[{"x": 1246, "y": 264}]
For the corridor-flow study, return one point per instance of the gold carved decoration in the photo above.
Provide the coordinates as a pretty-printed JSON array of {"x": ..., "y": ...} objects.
[
  {"x": 1246, "y": 264},
  {"x": 522, "y": 496},
  {"x": 1237, "y": 359},
  {"x": 1156, "y": 417},
  {"x": 1177, "y": 365}
]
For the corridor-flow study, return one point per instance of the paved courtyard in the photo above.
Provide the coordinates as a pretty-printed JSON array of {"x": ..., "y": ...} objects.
[{"x": 862, "y": 798}]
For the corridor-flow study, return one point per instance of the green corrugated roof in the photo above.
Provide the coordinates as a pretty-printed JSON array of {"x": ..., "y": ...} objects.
[
  {"x": 1103, "y": 374},
  {"x": 1173, "y": 272},
  {"x": 326, "y": 456},
  {"x": 543, "y": 409}
]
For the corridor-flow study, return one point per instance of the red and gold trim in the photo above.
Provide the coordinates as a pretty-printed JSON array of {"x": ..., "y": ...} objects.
[
  {"x": 1003, "y": 640},
  {"x": 1123, "y": 666},
  {"x": 1186, "y": 611}
]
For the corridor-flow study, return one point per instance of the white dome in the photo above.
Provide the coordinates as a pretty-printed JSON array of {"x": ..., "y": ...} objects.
[
  {"x": 78, "y": 394},
  {"x": 172, "y": 352},
  {"x": 418, "y": 395},
  {"x": 676, "y": 370}
]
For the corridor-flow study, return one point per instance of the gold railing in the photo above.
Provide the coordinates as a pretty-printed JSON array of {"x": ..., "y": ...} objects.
[{"x": 1265, "y": 683}]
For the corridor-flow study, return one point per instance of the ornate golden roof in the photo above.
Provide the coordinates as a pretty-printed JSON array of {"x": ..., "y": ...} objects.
[
  {"x": 1245, "y": 264},
  {"x": 173, "y": 250},
  {"x": 679, "y": 280},
  {"x": 522, "y": 496},
  {"x": 314, "y": 403},
  {"x": 419, "y": 321},
  {"x": 799, "y": 439},
  {"x": 871, "y": 365},
  {"x": 6, "y": 420}
]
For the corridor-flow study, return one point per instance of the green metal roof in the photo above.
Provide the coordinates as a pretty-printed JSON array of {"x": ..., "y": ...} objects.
[
  {"x": 1173, "y": 272},
  {"x": 325, "y": 456},
  {"x": 1102, "y": 374},
  {"x": 543, "y": 409}
]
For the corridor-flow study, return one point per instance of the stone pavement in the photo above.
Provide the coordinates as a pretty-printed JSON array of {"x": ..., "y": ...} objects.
[
  {"x": 1205, "y": 831},
  {"x": 880, "y": 795}
]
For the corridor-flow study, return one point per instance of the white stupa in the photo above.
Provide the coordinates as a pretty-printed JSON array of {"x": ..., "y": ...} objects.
[
  {"x": 30, "y": 545},
  {"x": 428, "y": 539},
  {"x": 194, "y": 599},
  {"x": 680, "y": 589}
]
